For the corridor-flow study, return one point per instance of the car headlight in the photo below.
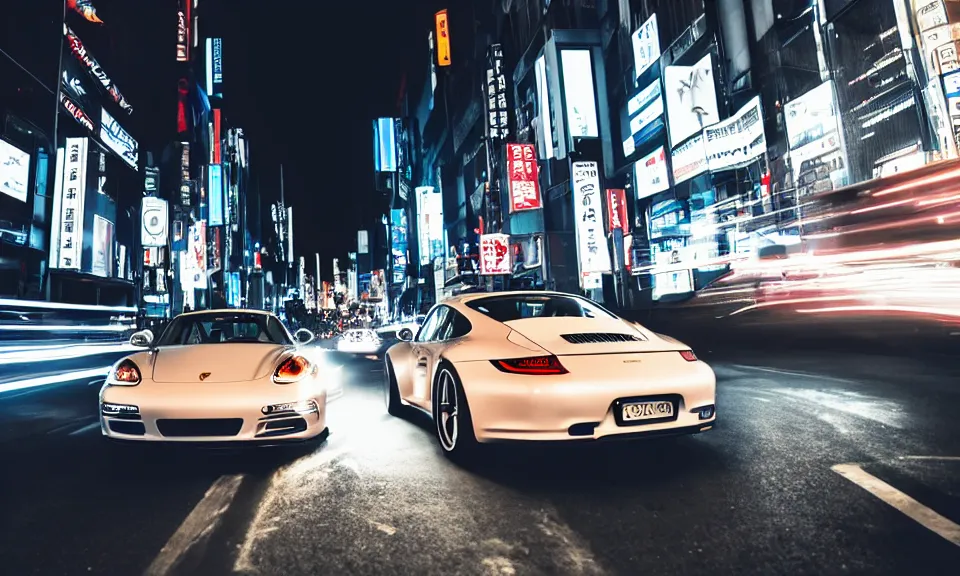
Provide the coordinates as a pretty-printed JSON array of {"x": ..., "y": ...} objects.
[
  {"x": 293, "y": 369},
  {"x": 300, "y": 407},
  {"x": 125, "y": 373}
]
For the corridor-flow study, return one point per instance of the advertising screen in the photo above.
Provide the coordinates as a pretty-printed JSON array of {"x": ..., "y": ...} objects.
[
  {"x": 14, "y": 171},
  {"x": 588, "y": 215},
  {"x": 384, "y": 145},
  {"x": 646, "y": 45},
  {"x": 691, "y": 99},
  {"x": 215, "y": 195},
  {"x": 652, "y": 175},
  {"x": 154, "y": 215},
  {"x": 398, "y": 245},
  {"x": 578, "y": 93},
  {"x": 118, "y": 140},
  {"x": 429, "y": 223}
]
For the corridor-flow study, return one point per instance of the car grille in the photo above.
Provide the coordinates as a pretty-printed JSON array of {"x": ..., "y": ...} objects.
[
  {"x": 200, "y": 427},
  {"x": 599, "y": 338}
]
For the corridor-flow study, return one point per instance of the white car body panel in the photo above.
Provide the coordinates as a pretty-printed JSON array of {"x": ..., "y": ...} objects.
[
  {"x": 237, "y": 384},
  {"x": 506, "y": 406}
]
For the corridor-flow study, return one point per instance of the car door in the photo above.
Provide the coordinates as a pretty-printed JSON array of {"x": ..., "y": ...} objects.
[
  {"x": 413, "y": 391},
  {"x": 426, "y": 351}
]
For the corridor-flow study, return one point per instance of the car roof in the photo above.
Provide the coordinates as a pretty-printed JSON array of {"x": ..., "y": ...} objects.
[
  {"x": 465, "y": 298},
  {"x": 227, "y": 311}
]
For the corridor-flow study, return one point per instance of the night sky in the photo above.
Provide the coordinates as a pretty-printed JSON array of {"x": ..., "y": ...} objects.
[{"x": 304, "y": 80}]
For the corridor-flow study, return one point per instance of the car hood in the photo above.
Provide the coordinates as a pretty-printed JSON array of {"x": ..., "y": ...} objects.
[
  {"x": 239, "y": 362},
  {"x": 548, "y": 334}
]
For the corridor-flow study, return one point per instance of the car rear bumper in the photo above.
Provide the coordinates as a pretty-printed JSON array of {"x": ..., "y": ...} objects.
[{"x": 508, "y": 407}]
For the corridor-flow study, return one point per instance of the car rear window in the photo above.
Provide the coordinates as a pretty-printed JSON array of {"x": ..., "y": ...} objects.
[{"x": 518, "y": 307}]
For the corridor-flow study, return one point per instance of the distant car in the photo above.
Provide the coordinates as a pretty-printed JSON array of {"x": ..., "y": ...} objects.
[
  {"x": 359, "y": 341},
  {"x": 544, "y": 366},
  {"x": 218, "y": 376}
]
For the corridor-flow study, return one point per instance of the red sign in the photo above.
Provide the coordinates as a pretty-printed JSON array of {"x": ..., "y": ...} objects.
[
  {"x": 495, "y": 254},
  {"x": 523, "y": 177},
  {"x": 617, "y": 210},
  {"x": 216, "y": 136}
]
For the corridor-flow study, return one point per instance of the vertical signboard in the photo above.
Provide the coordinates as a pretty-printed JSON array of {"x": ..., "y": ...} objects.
[
  {"x": 183, "y": 31},
  {"x": 216, "y": 136},
  {"x": 290, "y": 234},
  {"x": 214, "y": 67},
  {"x": 215, "y": 193},
  {"x": 430, "y": 223},
  {"x": 398, "y": 245},
  {"x": 617, "y": 210},
  {"x": 594, "y": 256},
  {"x": 197, "y": 255},
  {"x": 646, "y": 45},
  {"x": 185, "y": 173},
  {"x": 153, "y": 222},
  {"x": 102, "y": 264},
  {"x": 523, "y": 177},
  {"x": 443, "y": 38},
  {"x": 72, "y": 203},
  {"x": 497, "y": 118},
  {"x": 363, "y": 242},
  {"x": 495, "y": 254}
]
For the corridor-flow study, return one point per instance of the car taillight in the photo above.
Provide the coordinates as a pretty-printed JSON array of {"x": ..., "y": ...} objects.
[
  {"x": 292, "y": 370},
  {"x": 125, "y": 373},
  {"x": 535, "y": 365},
  {"x": 688, "y": 355}
]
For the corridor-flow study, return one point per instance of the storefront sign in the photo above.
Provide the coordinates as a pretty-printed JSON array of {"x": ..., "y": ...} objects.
[
  {"x": 154, "y": 214},
  {"x": 118, "y": 140},
  {"x": 523, "y": 177},
  {"x": 183, "y": 31},
  {"x": 72, "y": 203},
  {"x": 185, "y": 174},
  {"x": 646, "y": 46},
  {"x": 594, "y": 257},
  {"x": 497, "y": 119},
  {"x": 617, "y": 210},
  {"x": 94, "y": 69},
  {"x": 689, "y": 159},
  {"x": 443, "y": 38},
  {"x": 736, "y": 141},
  {"x": 495, "y": 254},
  {"x": 76, "y": 112},
  {"x": 652, "y": 176}
]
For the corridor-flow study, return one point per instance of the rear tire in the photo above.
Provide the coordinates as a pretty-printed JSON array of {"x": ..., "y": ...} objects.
[
  {"x": 451, "y": 415},
  {"x": 391, "y": 391}
]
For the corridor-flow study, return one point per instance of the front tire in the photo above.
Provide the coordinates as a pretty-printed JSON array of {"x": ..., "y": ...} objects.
[
  {"x": 451, "y": 414},
  {"x": 391, "y": 391}
]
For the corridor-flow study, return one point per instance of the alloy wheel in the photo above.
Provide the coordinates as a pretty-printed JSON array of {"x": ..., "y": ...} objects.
[{"x": 448, "y": 418}]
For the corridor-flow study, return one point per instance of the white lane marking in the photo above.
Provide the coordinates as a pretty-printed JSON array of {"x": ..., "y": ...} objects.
[
  {"x": 794, "y": 374},
  {"x": 85, "y": 429},
  {"x": 200, "y": 523},
  {"x": 55, "y": 379},
  {"x": 262, "y": 523},
  {"x": 385, "y": 528},
  {"x": 916, "y": 511},
  {"x": 931, "y": 458}
]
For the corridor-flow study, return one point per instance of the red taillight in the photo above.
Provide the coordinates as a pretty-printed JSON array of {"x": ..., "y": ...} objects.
[
  {"x": 688, "y": 355},
  {"x": 291, "y": 370},
  {"x": 535, "y": 365}
]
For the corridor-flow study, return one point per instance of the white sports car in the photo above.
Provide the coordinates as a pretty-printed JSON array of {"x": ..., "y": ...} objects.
[
  {"x": 545, "y": 366},
  {"x": 218, "y": 376}
]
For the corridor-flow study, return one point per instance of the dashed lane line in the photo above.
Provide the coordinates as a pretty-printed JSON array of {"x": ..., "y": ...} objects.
[
  {"x": 85, "y": 429},
  {"x": 198, "y": 525},
  {"x": 916, "y": 511}
]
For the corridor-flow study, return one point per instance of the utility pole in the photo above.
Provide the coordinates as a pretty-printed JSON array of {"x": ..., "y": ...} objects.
[
  {"x": 286, "y": 260},
  {"x": 317, "y": 282}
]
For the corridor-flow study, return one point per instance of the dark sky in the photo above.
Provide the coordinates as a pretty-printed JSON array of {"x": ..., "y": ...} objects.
[{"x": 304, "y": 79}]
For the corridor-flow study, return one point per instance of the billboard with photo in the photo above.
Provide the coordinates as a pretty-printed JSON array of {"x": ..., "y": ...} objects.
[
  {"x": 691, "y": 99},
  {"x": 14, "y": 171},
  {"x": 154, "y": 214}
]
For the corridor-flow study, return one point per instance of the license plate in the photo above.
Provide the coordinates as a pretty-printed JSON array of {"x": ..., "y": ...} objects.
[{"x": 646, "y": 411}]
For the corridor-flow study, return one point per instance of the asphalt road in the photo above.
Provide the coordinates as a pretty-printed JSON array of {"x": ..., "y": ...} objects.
[{"x": 766, "y": 492}]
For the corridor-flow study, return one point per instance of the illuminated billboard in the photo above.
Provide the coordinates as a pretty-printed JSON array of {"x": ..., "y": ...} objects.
[
  {"x": 118, "y": 139},
  {"x": 429, "y": 223},
  {"x": 384, "y": 145},
  {"x": 214, "y": 53},
  {"x": 691, "y": 99},
  {"x": 215, "y": 194},
  {"x": 94, "y": 69},
  {"x": 443, "y": 38},
  {"x": 578, "y": 93}
]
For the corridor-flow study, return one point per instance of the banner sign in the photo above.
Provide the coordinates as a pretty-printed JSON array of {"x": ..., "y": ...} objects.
[
  {"x": 76, "y": 112},
  {"x": 646, "y": 46},
  {"x": 523, "y": 177},
  {"x": 689, "y": 159},
  {"x": 617, "y": 210},
  {"x": 154, "y": 213},
  {"x": 736, "y": 141},
  {"x": 594, "y": 256},
  {"x": 94, "y": 69},
  {"x": 72, "y": 203},
  {"x": 495, "y": 254},
  {"x": 118, "y": 140},
  {"x": 443, "y": 38},
  {"x": 498, "y": 125}
]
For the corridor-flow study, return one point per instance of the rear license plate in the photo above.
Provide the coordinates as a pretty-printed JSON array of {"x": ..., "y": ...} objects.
[{"x": 647, "y": 410}]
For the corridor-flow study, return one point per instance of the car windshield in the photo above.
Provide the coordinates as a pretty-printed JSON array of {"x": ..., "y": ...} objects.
[
  {"x": 224, "y": 327},
  {"x": 517, "y": 307}
]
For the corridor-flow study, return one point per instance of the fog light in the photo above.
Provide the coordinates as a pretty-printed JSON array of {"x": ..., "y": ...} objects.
[
  {"x": 706, "y": 413},
  {"x": 109, "y": 409},
  {"x": 300, "y": 407}
]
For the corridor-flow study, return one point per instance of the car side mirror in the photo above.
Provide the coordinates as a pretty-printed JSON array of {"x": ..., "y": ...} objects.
[
  {"x": 142, "y": 339},
  {"x": 304, "y": 336},
  {"x": 405, "y": 334}
]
